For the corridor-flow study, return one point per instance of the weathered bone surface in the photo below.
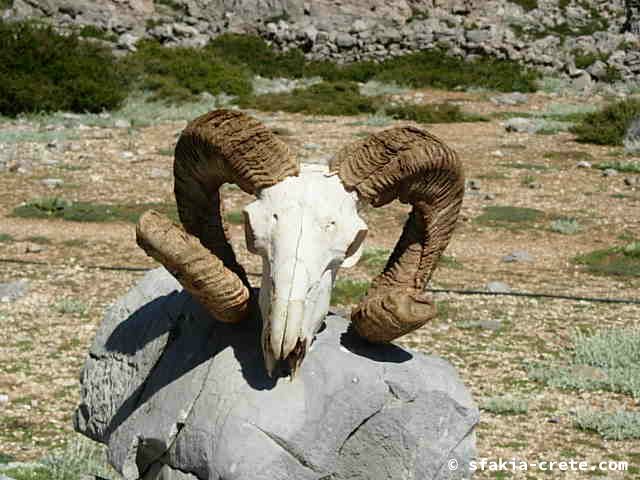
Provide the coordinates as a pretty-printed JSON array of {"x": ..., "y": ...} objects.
[
  {"x": 178, "y": 396},
  {"x": 305, "y": 226}
]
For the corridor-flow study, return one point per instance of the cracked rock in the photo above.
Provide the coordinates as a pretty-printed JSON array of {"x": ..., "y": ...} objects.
[{"x": 177, "y": 395}]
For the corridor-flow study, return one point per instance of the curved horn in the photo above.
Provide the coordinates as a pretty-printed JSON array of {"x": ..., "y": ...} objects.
[
  {"x": 219, "y": 147},
  {"x": 417, "y": 168}
]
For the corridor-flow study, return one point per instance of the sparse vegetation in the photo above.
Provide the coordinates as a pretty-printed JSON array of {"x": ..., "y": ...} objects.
[
  {"x": 622, "y": 261},
  {"x": 620, "y": 425},
  {"x": 566, "y": 226},
  {"x": 609, "y": 125},
  {"x": 336, "y": 98},
  {"x": 508, "y": 216},
  {"x": 45, "y": 71},
  {"x": 375, "y": 258},
  {"x": 506, "y": 405},
  {"x": 433, "y": 113},
  {"x": 607, "y": 360},
  {"x": 71, "y": 306},
  {"x": 346, "y": 291},
  {"x": 55, "y": 207},
  {"x": 573, "y": 155},
  {"x": 236, "y": 217},
  {"x": 628, "y": 166},
  {"x": 6, "y": 238}
]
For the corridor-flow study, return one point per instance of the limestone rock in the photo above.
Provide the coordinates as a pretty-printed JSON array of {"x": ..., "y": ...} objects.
[{"x": 177, "y": 395}]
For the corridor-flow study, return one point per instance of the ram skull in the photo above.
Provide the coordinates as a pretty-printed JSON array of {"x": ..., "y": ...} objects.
[{"x": 305, "y": 226}]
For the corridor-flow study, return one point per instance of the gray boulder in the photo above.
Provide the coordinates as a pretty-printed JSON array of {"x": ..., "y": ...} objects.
[{"x": 177, "y": 395}]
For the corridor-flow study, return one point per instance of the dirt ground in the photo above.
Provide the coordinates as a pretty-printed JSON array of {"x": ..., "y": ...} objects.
[{"x": 44, "y": 345}]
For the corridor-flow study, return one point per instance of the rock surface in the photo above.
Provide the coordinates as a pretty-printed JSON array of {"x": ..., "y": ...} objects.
[{"x": 175, "y": 394}]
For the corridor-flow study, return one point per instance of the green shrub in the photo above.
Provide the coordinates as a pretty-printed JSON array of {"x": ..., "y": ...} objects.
[
  {"x": 608, "y": 125},
  {"x": 630, "y": 166},
  {"x": 177, "y": 74},
  {"x": 326, "y": 98},
  {"x": 607, "y": 360},
  {"x": 528, "y": 5},
  {"x": 55, "y": 207},
  {"x": 433, "y": 68},
  {"x": 433, "y": 113},
  {"x": 347, "y": 291},
  {"x": 91, "y": 31},
  {"x": 622, "y": 261},
  {"x": 506, "y": 405},
  {"x": 620, "y": 425},
  {"x": 566, "y": 226},
  {"x": 253, "y": 53},
  {"x": 509, "y": 216},
  {"x": 41, "y": 70}
]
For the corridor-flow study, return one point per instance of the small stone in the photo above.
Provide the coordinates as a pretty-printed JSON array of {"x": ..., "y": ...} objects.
[
  {"x": 344, "y": 40},
  {"x": 34, "y": 248},
  {"x": 534, "y": 185},
  {"x": 520, "y": 125},
  {"x": 510, "y": 99},
  {"x": 52, "y": 182},
  {"x": 127, "y": 155},
  {"x": 610, "y": 172},
  {"x": 159, "y": 173},
  {"x": 497, "y": 153},
  {"x": 632, "y": 181},
  {"x": 583, "y": 164},
  {"x": 127, "y": 41},
  {"x": 122, "y": 123},
  {"x": 4, "y": 398},
  {"x": 473, "y": 184},
  {"x": 553, "y": 420},
  {"x": 518, "y": 256},
  {"x": 498, "y": 287},
  {"x": 492, "y": 325},
  {"x": 489, "y": 196},
  {"x": 13, "y": 290}
]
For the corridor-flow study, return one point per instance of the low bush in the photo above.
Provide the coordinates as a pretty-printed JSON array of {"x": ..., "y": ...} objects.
[
  {"x": 619, "y": 261},
  {"x": 508, "y": 216},
  {"x": 55, "y": 207},
  {"x": 347, "y": 291},
  {"x": 255, "y": 54},
  {"x": 608, "y": 125},
  {"x": 620, "y": 425},
  {"x": 43, "y": 71},
  {"x": 506, "y": 405},
  {"x": 326, "y": 98},
  {"x": 178, "y": 74},
  {"x": 433, "y": 113},
  {"x": 433, "y": 68}
]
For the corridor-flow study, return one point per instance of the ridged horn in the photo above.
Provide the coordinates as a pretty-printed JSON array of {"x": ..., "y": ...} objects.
[
  {"x": 219, "y": 147},
  {"x": 417, "y": 168}
]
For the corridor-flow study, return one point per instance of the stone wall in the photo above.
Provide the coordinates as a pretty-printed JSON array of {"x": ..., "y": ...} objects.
[{"x": 548, "y": 37}]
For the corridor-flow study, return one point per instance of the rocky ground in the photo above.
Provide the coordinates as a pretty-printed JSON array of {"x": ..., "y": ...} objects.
[{"x": 72, "y": 270}]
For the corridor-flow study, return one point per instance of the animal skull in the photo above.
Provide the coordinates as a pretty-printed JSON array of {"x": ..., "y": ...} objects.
[
  {"x": 304, "y": 225},
  {"x": 304, "y": 228}
]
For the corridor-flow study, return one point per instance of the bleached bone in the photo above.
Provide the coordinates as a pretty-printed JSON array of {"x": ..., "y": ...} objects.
[{"x": 305, "y": 226}]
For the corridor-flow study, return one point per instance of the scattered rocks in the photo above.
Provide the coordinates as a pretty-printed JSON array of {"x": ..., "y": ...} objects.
[
  {"x": 497, "y": 287},
  {"x": 583, "y": 164},
  {"x": 518, "y": 256},
  {"x": 609, "y": 172},
  {"x": 11, "y": 291}
]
